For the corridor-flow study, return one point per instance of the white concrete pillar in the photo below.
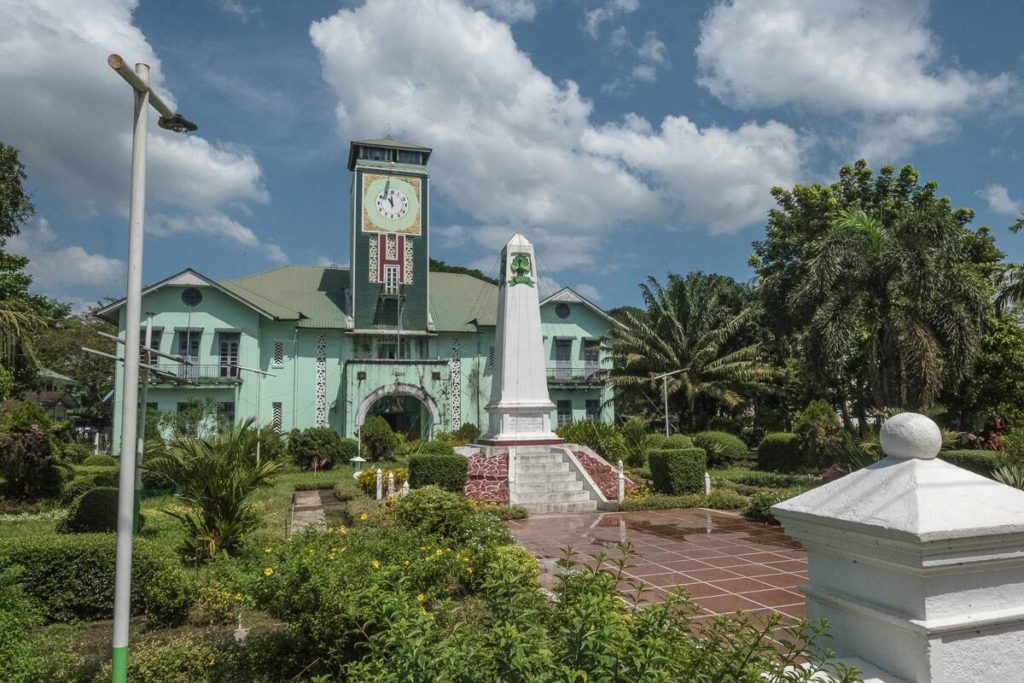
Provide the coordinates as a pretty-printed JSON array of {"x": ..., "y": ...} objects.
[
  {"x": 917, "y": 565},
  {"x": 391, "y": 484},
  {"x": 380, "y": 486}
]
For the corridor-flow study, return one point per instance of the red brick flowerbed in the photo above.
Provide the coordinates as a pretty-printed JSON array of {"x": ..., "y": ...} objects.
[
  {"x": 488, "y": 478},
  {"x": 604, "y": 475}
]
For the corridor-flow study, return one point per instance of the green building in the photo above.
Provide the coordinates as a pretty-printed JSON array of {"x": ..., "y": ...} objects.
[{"x": 385, "y": 336}]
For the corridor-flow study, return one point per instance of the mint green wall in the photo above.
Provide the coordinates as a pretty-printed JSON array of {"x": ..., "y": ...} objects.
[{"x": 294, "y": 381}]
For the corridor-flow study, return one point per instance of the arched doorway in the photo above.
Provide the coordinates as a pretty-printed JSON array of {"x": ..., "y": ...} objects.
[{"x": 407, "y": 408}]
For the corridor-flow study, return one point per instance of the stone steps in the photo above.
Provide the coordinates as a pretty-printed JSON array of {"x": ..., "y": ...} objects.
[
  {"x": 548, "y": 487},
  {"x": 543, "y": 467},
  {"x": 552, "y": 508},
  {"x": 541, "y": 477},
  {"x": 546, "y": 482}
]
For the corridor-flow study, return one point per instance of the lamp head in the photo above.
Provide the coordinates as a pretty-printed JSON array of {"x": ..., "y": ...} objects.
[{"x": 177, "y": 123}]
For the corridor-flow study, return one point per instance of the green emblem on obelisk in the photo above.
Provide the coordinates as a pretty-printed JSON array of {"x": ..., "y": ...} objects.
[{"x": 521, "y": 269}]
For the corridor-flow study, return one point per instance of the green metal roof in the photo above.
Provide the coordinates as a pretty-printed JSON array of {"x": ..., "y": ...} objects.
[
  {"x": 456, "y": 300},
  {"x": 313, "y": 295},
  {"x": 391, "y": 142}
]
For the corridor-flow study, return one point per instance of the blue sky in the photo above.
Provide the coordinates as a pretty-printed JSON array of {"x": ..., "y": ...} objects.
[{"x": 624, "y": 137}]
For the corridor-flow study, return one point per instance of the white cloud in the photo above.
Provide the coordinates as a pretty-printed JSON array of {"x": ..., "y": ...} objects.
[
  {"x": 594, "y": 18},
  {"x": 876, "y": 59},
  {"x": 508, "y": 10},
  {"x": 240, "y": 9},
  {"x": 587, "y": 291},
  {"x": 54, "y": 265},
  {"x": 716, "y": 176},
  {"x": 998, "y": 198},
  {"x": 215, "y": 225},
  {"x": 651, "y": 55},
  {"x": 70, "y": 114},
  {"x": 518, "y": 152}
]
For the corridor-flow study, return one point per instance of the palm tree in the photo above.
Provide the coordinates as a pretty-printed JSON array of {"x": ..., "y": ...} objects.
[
  {"x": 216, "y": 477},
  {"x": 897, "y": 306},
  {"x": 691, "y": 325}
]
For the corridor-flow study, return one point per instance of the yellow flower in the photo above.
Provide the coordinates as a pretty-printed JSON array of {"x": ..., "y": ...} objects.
[
  {"x": 439, "y": 552},
  {"x": 268, "y": 571},
  {"x": 469, "y": 570},
  {"x": 268, "y": 550},
  {"x": 421, "y": 597},
  {"x": 331, "y": 557},
  {"x": 238, "y": 596},
  {"x": 406, "y": 563},
  {"x": 375, "y": 564},
  {"x": 423, "y": 547},
  {"x": 342, "y": 530},
  {"x": 363, "y": 517}
]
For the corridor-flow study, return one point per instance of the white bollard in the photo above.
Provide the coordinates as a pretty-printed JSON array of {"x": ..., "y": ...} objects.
[
  {"x": 391, "y": 484},
  {"x": 405, "y": 489},
  {"x": 380, "y": 487},
  {"x": 707, "y": 484},
  {"x": 622, "y": 483}
]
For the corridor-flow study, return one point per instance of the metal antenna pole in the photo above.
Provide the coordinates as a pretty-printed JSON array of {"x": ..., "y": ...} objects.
[
  {"x": 140, "y": 454},
  {"x": 664, "y": 391},
  {"x": 130, "y": 389}
]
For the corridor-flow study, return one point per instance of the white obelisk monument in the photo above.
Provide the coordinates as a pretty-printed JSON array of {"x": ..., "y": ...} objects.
[{"x": 520, "y": 408}]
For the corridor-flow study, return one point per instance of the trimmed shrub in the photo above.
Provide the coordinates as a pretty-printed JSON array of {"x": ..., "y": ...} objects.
[
  {"x": 272, "y": 444},
  {"x": 74, "y": 453},
  {"x": 722, "y": 448},
  {"x": 760, "y": 504},
  {"x": 95, "y": 510},
  {"x": 502, "y": 512},
  {"x": 72, "y": 577},
  {"x": 466, "y": 434},
  {"x": 776, "y": 480},
  {"x": 448, "y": 471},
  {"x": 673, "y": 441},
  {"x": 349, "y": 450},
  {"x": 82, "y": 483},
  {"x": 677, "y": 470},
  {"x": 28, "y": 463},
  {"x": 315, "y": 445},
  {"x": 781, "y": 452},
  {"x": 89, "y": 470},
  {"x": 979, "y": 462},
  {"x": 437, "y": 447},
  {"x": 604, "y": 439},
  {"x": 725, "y": 424},
  {"x": 379, "y": 441},
  {"x": 820, "y": 433},
  {"x": 100, "y": 460},
  {"x": 718, "y": 500},
  {"x": 435, "y": 511}
]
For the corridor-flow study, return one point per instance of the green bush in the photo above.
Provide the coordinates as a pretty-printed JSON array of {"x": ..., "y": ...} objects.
[
  {"x": 84, "y": 482},
  {"x": 761, "y": 479},
  {"x": 95, "y": 510},
  {"x": 448, "y": 472},
  {"x": 979, "y": 462},
  {"x": 349, "y": 450},
  {"x": 722, "y": 448},
  {"x": 760, "y": 504},
  {"x": 502, "y": 512},
  {"x": 27, "y": 653},
  {"x": 637, "y": 440},
  {"x": 272, "y": 443},
  {"x": 90, "y": 470},
  {"x": 72, "y": 577},
  {"x": 604, "y": 439},
  {"x": 319, "y": 446},
  {"x": 26, "y": 415},
  {"x": 466, "y": 434},
  {"x": 434, "y": 510},
  {"x": 29, "y": 464},
  {"x": 379, "y": 441},
  {"x": 100, "y": 460},
  {"x": 437, "y": 447},
  {"x": 820, "y": 433},
  {"x": 677, "y": 470},
  {"x": 74, "y": 453},
  {"x": 781, "y": 452},
  {"x": 729, "y": 425},
  {"x": 673, "y": 441}
]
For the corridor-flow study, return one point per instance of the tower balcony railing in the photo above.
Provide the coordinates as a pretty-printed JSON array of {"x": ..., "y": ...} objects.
[{"x": 199, "y": 373}]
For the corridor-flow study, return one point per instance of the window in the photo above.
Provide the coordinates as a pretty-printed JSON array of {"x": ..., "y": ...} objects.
[
  {"x": 563, "y": 358},
  {"x": 278, "y": 352},
  {"x": 564, "y": 409},
  {"x": 188, "y": 349},
  {"x": 562, "y": 310},
  {"x": 390, "y": 349},
  {"x": 152, "y": 407},
  {"x": 405, "y": 157},
  {"x": 593, "y": 409},
  {"x": 154, "y": 338},
  {"x": 190, "y": 414},
  {"x": 277, "y": 415},
  {"x": 229, "y": 354},
  {"x": 375, "y": 153},
  {"x": 591, "y": 356},
  {"x": 227, "y": 412},
  {"x": 191, "y": 297},
  {"x": 391, "y": 280}
]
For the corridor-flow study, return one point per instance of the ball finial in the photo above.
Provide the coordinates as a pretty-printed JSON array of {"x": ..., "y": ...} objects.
[{"x": 910, "y": 435}]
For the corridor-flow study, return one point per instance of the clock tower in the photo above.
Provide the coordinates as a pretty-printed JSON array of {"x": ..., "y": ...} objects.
[{"x": 390, "y": 230}]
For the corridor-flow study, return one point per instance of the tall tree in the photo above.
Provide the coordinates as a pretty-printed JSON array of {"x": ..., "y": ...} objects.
[
  {"x": 698, "y": 324},
  {"x": 882, "y": 283}
]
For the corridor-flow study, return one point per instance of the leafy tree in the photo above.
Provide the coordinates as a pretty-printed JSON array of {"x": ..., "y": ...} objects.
[
  {"x": 995, "y": 389},
  {"x": 59, "y": 348},
  {"x": 697, "y": 324},
  {"x": 881, "y": 282},
  {"x": 15, "y": 205},
  {"x": 216, "y": 477},
  {"x": 379, "y": 441},
  {"x": 437, "y": 266}
]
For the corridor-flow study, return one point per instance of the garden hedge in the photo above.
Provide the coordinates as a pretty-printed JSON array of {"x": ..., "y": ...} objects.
[
  {"x": 760, "y": 504},
  {"x": 718, "y": 500},
  {"x": 94, "y": 510},
  {"x": 448, "y": 472},
  {"x": 437, "y": 447},
  {"x": 722, "y": 448},
  {"x": 100, "y": 460},
  {"x": 72, "y": 577},
  {"x": 781, "y": 452},
  {"x": 677, "y": 470},
  {"x": 83, "y": 482},
  {"x": 673, "y": 441},
  {"x": 979, "y": 462},
  {"x": 321, "y": 444}
]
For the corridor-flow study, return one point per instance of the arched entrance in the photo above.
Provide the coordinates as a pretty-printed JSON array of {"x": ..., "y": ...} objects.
[{"x": 407, "y": 408}]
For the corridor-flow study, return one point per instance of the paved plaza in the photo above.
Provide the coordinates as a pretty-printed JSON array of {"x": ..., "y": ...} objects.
[{"x": 724, "y": 561}]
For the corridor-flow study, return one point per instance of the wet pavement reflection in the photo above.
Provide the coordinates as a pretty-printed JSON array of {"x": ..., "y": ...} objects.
[{"x": 725, "y": 562}]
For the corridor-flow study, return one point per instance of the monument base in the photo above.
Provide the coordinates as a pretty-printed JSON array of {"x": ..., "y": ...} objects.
[{"x": 520, "y": 425}]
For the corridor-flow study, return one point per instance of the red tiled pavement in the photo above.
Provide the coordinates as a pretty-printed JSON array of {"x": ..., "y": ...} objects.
[{"x": 725, "y": 562}]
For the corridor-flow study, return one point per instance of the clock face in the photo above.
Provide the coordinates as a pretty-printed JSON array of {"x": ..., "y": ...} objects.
[{"x": 392, "y": 203}]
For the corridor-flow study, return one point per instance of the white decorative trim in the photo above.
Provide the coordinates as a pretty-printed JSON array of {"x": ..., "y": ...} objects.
[
  {"x": 321, "y": 381},
  {"x": 456, "y": 384},
  {"x": 408, "y": 261},
  {"x": 373, "y": 258}
]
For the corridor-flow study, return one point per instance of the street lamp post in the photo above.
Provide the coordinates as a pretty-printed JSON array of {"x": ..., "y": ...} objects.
[
  {"x": 664, "y": 391},
  {"x": 259, "y": 385},
  {"x": 139, "y": 80}
]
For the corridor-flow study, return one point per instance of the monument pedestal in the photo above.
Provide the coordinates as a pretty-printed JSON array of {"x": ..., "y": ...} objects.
[{"x": 523, "y": 425}]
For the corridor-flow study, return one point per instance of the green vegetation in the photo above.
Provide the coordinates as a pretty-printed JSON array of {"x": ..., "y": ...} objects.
[
  {"x": 781, "y": 452},
  {"x": 379, "y": 442},
  {"x": 722, "y": 448},
  {"x": 448, "y": 471},
  {"x": 676, "y": 471},
  {"x": 604, "y": 439},
  {"x": 315, "y": 448},
  {"x": 95, "y": 510}
]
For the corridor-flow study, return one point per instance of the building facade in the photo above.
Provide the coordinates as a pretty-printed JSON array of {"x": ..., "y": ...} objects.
[{"x": 304, "y": 346}]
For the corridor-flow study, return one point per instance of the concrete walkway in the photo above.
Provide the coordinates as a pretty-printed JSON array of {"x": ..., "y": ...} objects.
[
  {"x": 309, "y": 511},
  {"x": 724, "y": 561}
]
